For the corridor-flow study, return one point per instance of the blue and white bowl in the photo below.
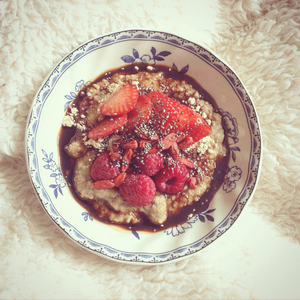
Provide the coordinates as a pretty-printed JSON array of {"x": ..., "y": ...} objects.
[{"x": 112, "y": 51}]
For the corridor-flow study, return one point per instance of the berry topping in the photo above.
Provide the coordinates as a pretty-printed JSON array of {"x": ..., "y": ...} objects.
[
  {"x": 165, "y": 143},
  {"x": 143, "y": 143},
  {"x": 147, "y": 133},
  {"x": 174, "y": 151},
  {"x": 171, "y": 179},
  {"x": 119, "y": 179},
  {"x": 186, "y": 142},
  {"x": 191, "y": 181},
  {"x": 171, "y": 116},
  {"x": 150, "y": 163},
  {"x": 158, "y": 127},
  {"x": 198, "y": 127},
  {"x": 115, "y": 155},
  {"x": 104, "y": 168},
  {"x": 133, "y": 144},
  {"x": 103, "y": 184},
  {"x": 121, "y": 101},
  {"x": 141, "y": 112},
  {"x": 107, "y": 126},
  {"x": 138, "y": 189},
  {"x": 126, "y": 159},
  {"x": 168, "y": 115},
  {"x": 187, "y": 162}
]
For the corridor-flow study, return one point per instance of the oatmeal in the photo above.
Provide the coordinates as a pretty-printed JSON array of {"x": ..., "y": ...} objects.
[{"x": 142, "y": 146}]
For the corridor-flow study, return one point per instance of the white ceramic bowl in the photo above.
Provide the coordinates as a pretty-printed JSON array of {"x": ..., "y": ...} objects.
[{"x": 112, "y": 51}]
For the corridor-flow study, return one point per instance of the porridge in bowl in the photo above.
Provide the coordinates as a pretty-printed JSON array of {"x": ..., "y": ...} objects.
[{"x": 143, "y": 147}]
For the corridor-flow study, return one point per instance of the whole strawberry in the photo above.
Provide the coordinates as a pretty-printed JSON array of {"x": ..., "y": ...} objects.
[{"x": 138, "y": 189}]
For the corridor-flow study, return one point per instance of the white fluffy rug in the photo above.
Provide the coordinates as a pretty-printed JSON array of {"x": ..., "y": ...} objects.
[{"x": 261, "y": 41}]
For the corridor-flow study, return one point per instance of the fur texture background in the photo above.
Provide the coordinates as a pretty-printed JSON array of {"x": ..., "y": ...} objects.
[{"x": 261, "y": 41}]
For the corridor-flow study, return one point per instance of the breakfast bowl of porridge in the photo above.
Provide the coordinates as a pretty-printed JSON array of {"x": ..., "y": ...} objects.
[{"x": 143, "y": 147}]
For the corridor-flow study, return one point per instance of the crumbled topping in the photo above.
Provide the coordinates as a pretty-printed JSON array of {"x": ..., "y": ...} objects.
[
  {"x": 197, "y": 95},
  {"x": 81, "y": 127},
  {"x": 98, "y": 144},
  {"x": 113, "y": 87},
  {"x": 68, "y": 121},
  {"x": 192, "y": 100},
  {"x": 136, "y": 83},
  {"x": 74, "y": 111},
  {"x": 190, "y": 216},
  {"x": 96, "y": 86},
  {"x": 201, "y": 146},
  {"x": 150, "y": 68}
]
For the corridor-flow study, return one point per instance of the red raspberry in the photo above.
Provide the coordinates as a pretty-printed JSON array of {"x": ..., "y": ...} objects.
[
  {"x": 150, "y": 163},
  {"x": 138, "y": 189},
  {"x": 104, "y": 168},
  {"x": 171, "y": 179}
]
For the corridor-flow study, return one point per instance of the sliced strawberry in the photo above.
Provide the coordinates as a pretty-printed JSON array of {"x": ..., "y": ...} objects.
[
  {"x": 171, "y": 116},
  {"x": 156, "y": 97},
  {"x": 140, "y": 113},
  {"x": 107, "y": 126},
  {"x": 197, "y": 127},
  {"x": 121, "y": 101},
  {"x": 168, "y": 115}
]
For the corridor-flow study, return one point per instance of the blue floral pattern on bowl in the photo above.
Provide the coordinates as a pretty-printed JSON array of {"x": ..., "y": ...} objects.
[
  {"x": 181, "y": 228},
  {"x": 56, "y": 174},
  {"x": 87, "y": 216},
  {"x": 152, "y": 59},
  {"x": 232, "y": 130},
  {"x": 233, "y": 174},
  {"x": 79, "y": 84},
  {"x": 145, "y": 58}
]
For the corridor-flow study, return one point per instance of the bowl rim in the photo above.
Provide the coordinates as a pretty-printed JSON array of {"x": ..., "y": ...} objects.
[{"x": 113, "y": 34}]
